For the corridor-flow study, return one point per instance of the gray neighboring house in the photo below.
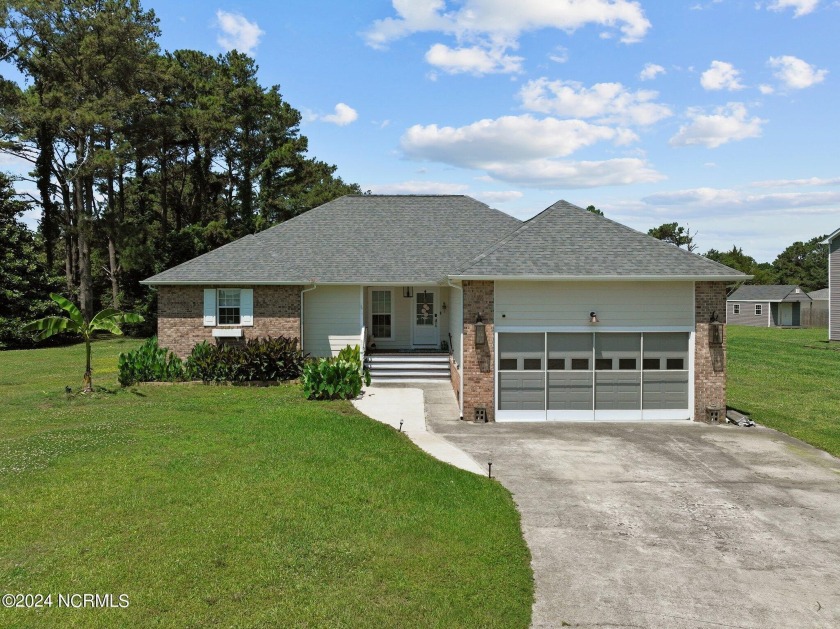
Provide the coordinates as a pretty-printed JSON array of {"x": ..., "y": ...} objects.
[
  {"x": 819, "y": 308},
  {"x": 566, "y": 316},
  {"x": 768, "y": 306},
  {"x": 833, "y": 242}
]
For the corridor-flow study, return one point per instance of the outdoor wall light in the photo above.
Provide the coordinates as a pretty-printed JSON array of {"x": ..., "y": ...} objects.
[
  {"x": 715, "y": 331},
  {"x": 408, "y": 291},
  {"x": 480, "y": 334},
  {"x": 593, "y": 318}
]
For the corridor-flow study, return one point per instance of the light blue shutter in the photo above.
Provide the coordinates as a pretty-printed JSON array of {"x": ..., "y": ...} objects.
[
  {"x": 246, "y": 306},
  {"x": 209, "y": 306}
]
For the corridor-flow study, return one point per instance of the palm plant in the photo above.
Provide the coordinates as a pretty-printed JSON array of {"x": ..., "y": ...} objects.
[{"x": 107, "y": 320}]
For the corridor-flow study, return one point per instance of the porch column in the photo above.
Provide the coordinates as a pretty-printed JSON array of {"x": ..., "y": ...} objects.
[{"x": 709, "y": 362}]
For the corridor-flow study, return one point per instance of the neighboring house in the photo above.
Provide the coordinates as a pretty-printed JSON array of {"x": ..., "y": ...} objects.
[
  {"x": 767, "y": 306},
  {"x": 819, "y": 309},
  {"x": 833, "y": 242},
  {"x": 565, "y": 316}
]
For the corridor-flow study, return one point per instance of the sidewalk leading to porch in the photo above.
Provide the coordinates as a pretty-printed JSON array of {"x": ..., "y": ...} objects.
[{"x": 412, "y": 405}]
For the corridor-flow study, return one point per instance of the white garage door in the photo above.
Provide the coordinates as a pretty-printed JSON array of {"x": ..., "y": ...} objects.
[{"x": 609, "y": 376}]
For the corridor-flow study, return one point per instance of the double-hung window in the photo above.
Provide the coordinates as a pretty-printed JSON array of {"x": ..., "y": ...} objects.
[
  {"x": 381, "y": 314},
  {"x": 758, "y": 309},
  {"x": 230, "y": 306},
  {"x": 736, "y": 309}
]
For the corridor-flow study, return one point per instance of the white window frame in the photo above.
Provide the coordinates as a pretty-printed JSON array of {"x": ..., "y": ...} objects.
[
  {"x": 759, "y": 310},
  {"x": 736, "y": 309},
  {"x": 219, "y": 307},
  {"x": 391, "y": 313}
]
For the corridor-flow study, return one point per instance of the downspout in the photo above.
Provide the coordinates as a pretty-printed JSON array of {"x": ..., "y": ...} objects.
[
  {"x": 461, "y": 345},
  {"x": 305, "y": 290}
]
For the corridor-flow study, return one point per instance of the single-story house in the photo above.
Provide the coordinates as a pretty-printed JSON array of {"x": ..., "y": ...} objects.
[
  {"x": 819, "y": 308},
  {"x": 833, "y": 242},
  {"x": 767, "y": 306},
  {"x": 566, "y": 316}
]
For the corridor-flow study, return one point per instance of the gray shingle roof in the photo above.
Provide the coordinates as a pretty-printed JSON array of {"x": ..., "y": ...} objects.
[
  {"x": 356, "y": 239},
  {"x": 567, "y": 241},
  {"x": 817, "y": 295},
  {"x": 766, "y": 292}
]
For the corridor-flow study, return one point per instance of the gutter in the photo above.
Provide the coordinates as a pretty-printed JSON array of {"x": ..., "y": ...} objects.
[
  {"x": 305, "y": 290},
  {"x": 605, "y": 278}
]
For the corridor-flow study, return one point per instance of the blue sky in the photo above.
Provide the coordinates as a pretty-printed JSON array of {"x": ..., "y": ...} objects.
[{"x": 719, "y": 114}]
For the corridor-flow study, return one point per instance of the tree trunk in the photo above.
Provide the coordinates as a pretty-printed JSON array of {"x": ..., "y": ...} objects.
[
  {"x": 114, "y": 270},
  {"x": 43, "y": 171},
  {"x": 83, "y": 237},
  {"x": 87, "y": 380}
]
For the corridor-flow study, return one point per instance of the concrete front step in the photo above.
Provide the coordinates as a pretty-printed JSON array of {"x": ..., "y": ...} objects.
[{"x": 397, "y": 367}]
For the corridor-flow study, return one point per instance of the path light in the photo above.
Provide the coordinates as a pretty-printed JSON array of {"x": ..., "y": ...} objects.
[
  {"x": 593, "y": 318},
  {"x": 480, "y": 334},
  {"x": 489, "y": 469},
  {"x": 401, "y": 421}
]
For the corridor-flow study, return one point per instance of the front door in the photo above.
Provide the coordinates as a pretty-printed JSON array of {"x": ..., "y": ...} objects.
[
  {"x": 786, "y": 313},
  {"x": 426, "y": 331}
]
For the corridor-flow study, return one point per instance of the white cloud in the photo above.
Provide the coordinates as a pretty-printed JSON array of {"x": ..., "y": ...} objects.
[
  {"x": 550, "y": 173},
  {"x": 527, "y": 151},
  {"x": 721, "y": 76},
  {"x": 418, "y": 187},
  {"x": 509, "y": 138},
  {"x": 727, "y": 200},
  {"x": 473, "y": 59},
  {"x": 766, "y": 89},
  {"x": 795, "y": 73},
  {"x": 344, "y": 115},
  {"x": 726, "y": 124},
  {"x": 800, "y": 7},
  {"x": 237, "y": 33},
  {"x": 498, "y": 196},
  {"x": 560, "y": 55},
  {"x": 607, "y": 102},
  {"x": 651, "y": 71},
  {"x": 499, "y": 20},
  {"x": 784, "y": 183}
]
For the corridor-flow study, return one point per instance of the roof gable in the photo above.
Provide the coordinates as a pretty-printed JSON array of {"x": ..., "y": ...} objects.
[{"x": 565, "y": 241}]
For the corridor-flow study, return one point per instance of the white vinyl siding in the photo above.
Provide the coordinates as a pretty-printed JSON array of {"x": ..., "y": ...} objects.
[
  {"x": 617, "y": 304},
  {"x": 403, "y": 315},
  {"x": 330, "y": 319}
]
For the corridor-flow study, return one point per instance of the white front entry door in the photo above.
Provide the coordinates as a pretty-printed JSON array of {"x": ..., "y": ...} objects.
[{"x": 425, "y": 317}]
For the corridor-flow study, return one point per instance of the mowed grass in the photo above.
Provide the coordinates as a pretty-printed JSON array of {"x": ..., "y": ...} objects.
[
  {"x": 238, "y": 507},
  {"x": 788, "y": 380}
]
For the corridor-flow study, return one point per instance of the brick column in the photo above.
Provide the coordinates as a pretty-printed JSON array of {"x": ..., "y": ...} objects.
[
  {"x": 709, "y": 362},
  {"x": 478, "y": 361}
]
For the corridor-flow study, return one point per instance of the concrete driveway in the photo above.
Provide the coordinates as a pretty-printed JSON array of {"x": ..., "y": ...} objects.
[{"x": 670, "y": 525}]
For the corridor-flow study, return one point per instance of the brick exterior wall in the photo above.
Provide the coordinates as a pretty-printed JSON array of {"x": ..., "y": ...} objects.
[
  {"x": 478, "y": 361},
  {"x": 709, "y": 362},
  {"x": 181, "y": 315}
]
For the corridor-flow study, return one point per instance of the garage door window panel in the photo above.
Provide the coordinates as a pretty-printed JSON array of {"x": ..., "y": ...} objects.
[
  {"x": 665, "y": 386},
  {"x": 618, "y": 384},
  {"x": 569, "y": 389},
  {"x": 521, "y": 374}
]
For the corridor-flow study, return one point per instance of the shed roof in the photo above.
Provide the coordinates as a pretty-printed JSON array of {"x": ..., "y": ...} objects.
[
  {"x": 819, "y": 295},
  {"x": 768, "y": 292}
]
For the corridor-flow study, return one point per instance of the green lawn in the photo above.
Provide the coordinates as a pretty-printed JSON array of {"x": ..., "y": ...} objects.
[
  {"x": 788, "y": 380},
  {"x": 238, "y": 507}
]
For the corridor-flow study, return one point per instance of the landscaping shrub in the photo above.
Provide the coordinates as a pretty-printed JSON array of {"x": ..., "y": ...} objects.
[
  {"x": 335, "y": 378},
  {"x": 149, "y": 363},
  {"x": 269, "y": 359}
]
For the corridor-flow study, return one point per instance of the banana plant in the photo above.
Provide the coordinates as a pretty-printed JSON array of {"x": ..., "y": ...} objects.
[{"x": 108, "y": 320}]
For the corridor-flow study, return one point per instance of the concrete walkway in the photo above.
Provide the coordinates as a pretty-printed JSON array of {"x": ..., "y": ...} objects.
[{"x": 411, "y": 404}]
